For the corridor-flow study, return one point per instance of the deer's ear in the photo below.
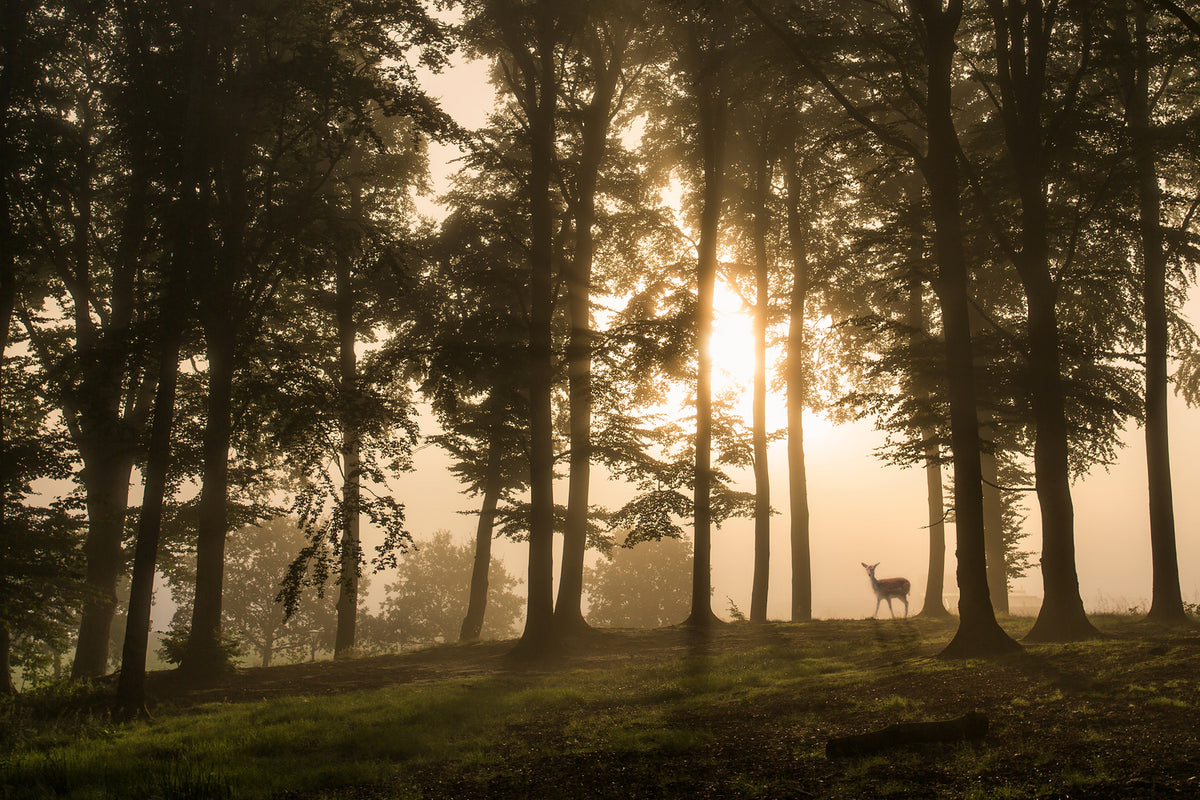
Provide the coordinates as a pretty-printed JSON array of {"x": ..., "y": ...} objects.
[{"x": 864, "y": 564}]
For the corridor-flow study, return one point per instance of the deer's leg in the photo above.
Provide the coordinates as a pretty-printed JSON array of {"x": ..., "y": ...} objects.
[
  {"x": 891, "y": 610},
  {"x": 905, "y": 599}
]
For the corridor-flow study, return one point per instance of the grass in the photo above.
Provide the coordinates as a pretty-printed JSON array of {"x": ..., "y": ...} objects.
[{"x": 744, "y": 715}]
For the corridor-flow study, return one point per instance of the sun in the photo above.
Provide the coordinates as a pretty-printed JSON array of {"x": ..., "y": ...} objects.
[
  {"x": 732, "y": 343},
  {"x": 732, "y": 347}
]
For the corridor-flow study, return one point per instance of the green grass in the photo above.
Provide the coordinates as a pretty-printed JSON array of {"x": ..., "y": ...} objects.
[{"x": 742, "y": 719}]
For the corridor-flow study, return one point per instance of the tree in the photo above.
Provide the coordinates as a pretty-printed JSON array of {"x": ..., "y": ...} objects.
[
  {"x": 174, "y": 314},
  {"x": 428, "y": 600},
  {"x": 257, "y": 562},
  {"x": 1143, "y": 74},
  {"x": 643, "y": 585},
  {"x": 526, "y": 40},
  {"x": 280, "y": 79},
  {"x": 87, "y": 227},
  {"x": 1024, "y": 41},
  {"x": 41, "y": 584},
  {"x": 349, "y": 422},
  {"x": 596, "y": 88}
]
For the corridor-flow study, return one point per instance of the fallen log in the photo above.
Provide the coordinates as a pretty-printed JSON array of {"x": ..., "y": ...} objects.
[{"x": 971, "y": 726}]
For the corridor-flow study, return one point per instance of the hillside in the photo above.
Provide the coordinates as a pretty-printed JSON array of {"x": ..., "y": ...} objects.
[{"x": 745, "y": 712}]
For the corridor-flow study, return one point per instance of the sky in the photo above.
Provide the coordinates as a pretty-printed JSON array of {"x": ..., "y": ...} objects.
[{"x": 861, "y": 510}]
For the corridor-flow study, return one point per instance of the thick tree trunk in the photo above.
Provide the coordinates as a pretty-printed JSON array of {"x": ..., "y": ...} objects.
[
  {"x": 712, "y": 118},
  {"x": 203, "y": 655},
  {"x": 762, "y": 480},
  {"x": 472, "y": 625},
  {"x": 1022, "y": 45},
  {"x": 797, "y": 397},
  {"x": 538, "y": 639},
  {"x": 107, "y": 439},
  {"x": 268, "y": 649},
  {"x": 1062, "y": 617},
  {"x": 347, "y": 602},
  {"x": 978, "y": 633},
  {"x": 106, "y": 479}
]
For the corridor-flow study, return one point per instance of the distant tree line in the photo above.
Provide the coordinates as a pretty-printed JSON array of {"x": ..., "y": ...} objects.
[{"x": 971, "y": 222}]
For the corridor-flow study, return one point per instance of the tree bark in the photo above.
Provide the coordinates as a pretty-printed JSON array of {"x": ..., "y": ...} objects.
[
  {"x": 347, "y": 602},
  {"x": 538, "y": 640},
  {"x": 1022, "y": 45},
  {"x": 131, "y": 686},
  {"x": 203, "y": 655},
  {"x": 762, "y": 479},
  {"x": 107, "y": 473},
  {"x": 175, "y": 312},
  {"x": 978, "y": 633},
  {"x": 993, "y": 516},
  {"x": 106, "y": 437},
  {"x": 797, "y": 397},
  {"x": 935, "y": 581},
  {"x": 1166, "y": 604},
  {"x": 568, "y": 613},
  {"x": 712, "y": 118},
  {"x": 472, "y": 625}
]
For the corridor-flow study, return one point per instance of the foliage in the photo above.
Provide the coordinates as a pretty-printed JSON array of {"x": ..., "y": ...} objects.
[
  {"x": 644, "y": 584},
  {"x": 253, "y": 620},
  {"x": 41, "y": 583},
  {"x": 427, "y": 602}
]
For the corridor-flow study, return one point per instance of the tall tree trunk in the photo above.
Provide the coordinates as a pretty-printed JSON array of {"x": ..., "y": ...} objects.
[
  {"x": 347, "y": 602},
  {"x": 105, "y": 443},
  {"x": 935, "y": 581},
  {"x": 1062, "y": 617},
  {"x": 203, "y": 655},
  {"x": 1166, "y": 605},
  {"x": 131, "y": 686},
  {"x": 107, "y": 474},
  {"x": 538, "y": 639},
  {"x": 1022, "y": 45},
  {"x": 993, "y": 515},
  {"x": 712, "y": 118},
  {"x": 978, "y": 633},
  {"x": 797, "y": 397},
  {"x": 762, "y": 480},
  {"x": 568, "y": 612},
  {"x": 472, "y": 625},
  {"x": 174, "y": 315}
]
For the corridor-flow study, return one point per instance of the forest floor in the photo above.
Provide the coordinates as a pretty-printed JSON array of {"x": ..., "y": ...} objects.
[{"x": 744, "y": 711}]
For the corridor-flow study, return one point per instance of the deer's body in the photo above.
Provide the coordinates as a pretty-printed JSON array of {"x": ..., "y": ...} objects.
[{"x": 887, "y": 589}]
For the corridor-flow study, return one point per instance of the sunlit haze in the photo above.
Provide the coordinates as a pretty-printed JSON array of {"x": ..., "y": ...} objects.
[{"x": 861, "y": 509}]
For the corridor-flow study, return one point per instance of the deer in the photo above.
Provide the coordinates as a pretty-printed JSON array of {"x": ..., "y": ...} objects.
[{"x": 887, "y": 588}]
